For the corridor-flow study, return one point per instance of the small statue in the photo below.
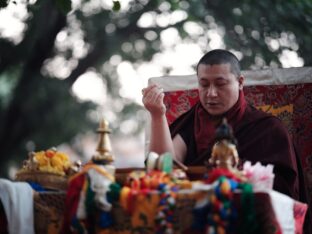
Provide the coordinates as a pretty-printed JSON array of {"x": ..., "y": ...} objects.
[{"x": 224, "y": 154}]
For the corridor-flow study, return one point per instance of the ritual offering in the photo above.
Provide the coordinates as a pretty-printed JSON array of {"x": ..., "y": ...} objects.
[
  {"x": 229, "y": 200},
  {"x": 92, "y": 191},
  {"x": 49, "y": 169},
  {"x": 260, "y": 176},
  {"x": 151, "y": 198},
  {"x": 163, "y": 162}
]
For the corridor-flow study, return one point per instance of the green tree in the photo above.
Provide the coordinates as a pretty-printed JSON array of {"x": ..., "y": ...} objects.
[
  {"x": 262, "y": 30},
  {"x": 38, "y": 108}
]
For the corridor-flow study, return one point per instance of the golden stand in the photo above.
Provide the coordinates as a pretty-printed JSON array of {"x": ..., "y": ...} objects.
[{"x": 104, "y": 150}]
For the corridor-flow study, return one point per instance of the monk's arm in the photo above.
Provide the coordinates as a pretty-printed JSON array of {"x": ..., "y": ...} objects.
[{"x": 160, "y": 137}]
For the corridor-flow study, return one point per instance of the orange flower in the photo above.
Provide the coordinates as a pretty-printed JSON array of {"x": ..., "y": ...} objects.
[{"x": 50, "y": 153}]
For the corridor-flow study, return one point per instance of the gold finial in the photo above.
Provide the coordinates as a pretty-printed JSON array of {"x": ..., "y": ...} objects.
[{"x": 104, "y": 149}]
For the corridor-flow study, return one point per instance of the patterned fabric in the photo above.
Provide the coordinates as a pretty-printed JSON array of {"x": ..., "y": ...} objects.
[
  {"x": 51, "y": 207},
  {"x": 143, "y": 218},
  {"x": 178, "y": 102},
  {"x": 48, "y": 208},
  {"x": 291, "y": 103}
]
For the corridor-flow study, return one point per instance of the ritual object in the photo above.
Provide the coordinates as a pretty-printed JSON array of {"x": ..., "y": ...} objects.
[
  {"x": 104, "y": 156},
  {"x": 104, "y": 150},
  {"x": 49, "y": 169},
  {"x": 163, "y": 162},
  {"x": 91, "y": 191},
  {"x": 224, "y": 153}
]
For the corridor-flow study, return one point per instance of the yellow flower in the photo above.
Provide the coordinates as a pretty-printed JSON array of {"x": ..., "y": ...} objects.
[
  {"x": 57, "y": 163},
  {"x": 41, "y": 159}
]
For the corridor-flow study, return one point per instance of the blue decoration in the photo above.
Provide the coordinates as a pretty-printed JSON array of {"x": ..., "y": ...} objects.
[
  {"x": 105, "y": 219},
  {"x": 37, "y": 187}
]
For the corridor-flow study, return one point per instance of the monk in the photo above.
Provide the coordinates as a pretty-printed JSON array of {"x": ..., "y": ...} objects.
[{"x": 261, "y": 137}]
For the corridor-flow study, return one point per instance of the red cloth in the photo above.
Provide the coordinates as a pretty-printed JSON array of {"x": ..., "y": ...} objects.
[
  {"x": 300, "y": 212},
  {"x": 71, "y": 202},
  {"x": 216, "y": 173},
  {"x": 3, "y": 220},
  {"x": 205, "y": 124}
]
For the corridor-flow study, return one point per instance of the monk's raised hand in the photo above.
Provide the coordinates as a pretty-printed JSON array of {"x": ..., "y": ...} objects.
[{"x": 153, "y": 100}]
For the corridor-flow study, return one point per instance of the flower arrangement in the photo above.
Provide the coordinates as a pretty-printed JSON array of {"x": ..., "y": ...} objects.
[
  {"x": 52, "y": 161},
  {"x": 48, "y": 168}
]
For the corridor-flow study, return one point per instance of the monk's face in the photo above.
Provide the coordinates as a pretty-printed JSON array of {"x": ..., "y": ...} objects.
[{"x": 218, "y": 87}]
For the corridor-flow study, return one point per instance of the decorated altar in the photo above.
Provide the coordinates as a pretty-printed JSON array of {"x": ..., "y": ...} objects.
[
  {"x": 49, "y": 208},
  {"x": 161, "y": 198}
]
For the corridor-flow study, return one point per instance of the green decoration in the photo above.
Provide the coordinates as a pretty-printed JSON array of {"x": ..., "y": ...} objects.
[
  {"x": 114, "y": 192},
  {"x": 89, "y": 202},
  {"x": 167, "y": 162},
  {"x": 250, "y": 224}
]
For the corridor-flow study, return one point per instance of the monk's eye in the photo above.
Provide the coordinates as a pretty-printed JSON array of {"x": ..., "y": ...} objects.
[
  {"x": 203, "y": 84},
  {"x": 221, "y": 83}
]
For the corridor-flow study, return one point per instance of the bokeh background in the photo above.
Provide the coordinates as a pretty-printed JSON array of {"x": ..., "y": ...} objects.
[{"x": 66, "y": 63}]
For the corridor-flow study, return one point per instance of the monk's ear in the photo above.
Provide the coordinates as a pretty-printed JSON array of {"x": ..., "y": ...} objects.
[{"x": 241, "y": 80}]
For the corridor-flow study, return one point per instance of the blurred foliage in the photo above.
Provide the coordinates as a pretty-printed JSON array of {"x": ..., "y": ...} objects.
[
  {"x": 37, "y": 107},
  {"x": 64, "y": 5},
  {"x": 116, "y": 6},
  {"x": 262, "y": 30}
]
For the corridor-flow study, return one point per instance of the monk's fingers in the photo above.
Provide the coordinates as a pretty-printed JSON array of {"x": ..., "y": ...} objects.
[
  {"x": 160, "y": 102},
  {"x": 152, "y": 94},
  {"x": 159, "y": 99},
  {"x": 157, "y": 93},
  {"x": 149, "y": 88},
  {"x": 154, "y": 103},
  {"x": 148, "y": 98}
]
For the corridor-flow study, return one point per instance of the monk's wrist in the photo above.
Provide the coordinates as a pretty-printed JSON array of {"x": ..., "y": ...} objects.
[{"x": 158, "y": 116}]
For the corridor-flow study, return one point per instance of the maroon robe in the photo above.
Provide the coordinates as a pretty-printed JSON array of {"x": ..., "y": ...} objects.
[{"x": 261, "y": 138}]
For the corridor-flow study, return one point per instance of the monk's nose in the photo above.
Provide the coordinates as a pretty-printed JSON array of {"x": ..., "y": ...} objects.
[{"x": 212, "y": 91}]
